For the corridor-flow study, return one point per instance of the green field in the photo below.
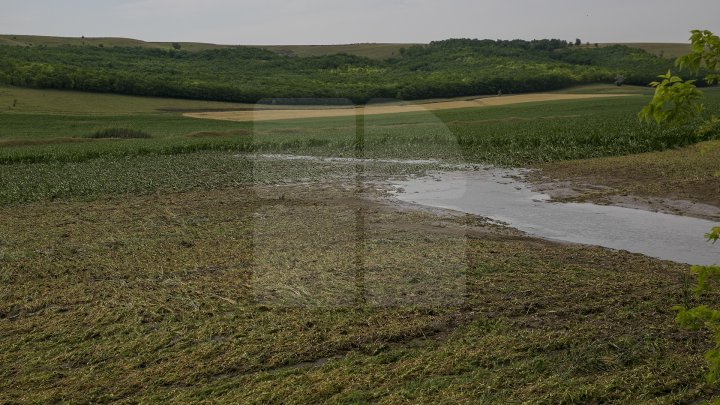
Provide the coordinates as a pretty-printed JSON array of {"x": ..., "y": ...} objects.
[
  {"x": 510, "y": 135},
  {"x": 57, "y": 140},
  {"x": 183, "y": 268}
]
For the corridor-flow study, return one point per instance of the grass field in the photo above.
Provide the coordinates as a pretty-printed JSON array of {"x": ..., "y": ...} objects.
[
  {"x": 520, "y": 134},
  {"x": 183, "y": 268}
]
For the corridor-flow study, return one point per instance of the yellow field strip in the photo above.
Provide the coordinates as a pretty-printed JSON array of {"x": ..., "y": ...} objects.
[{"x": 270, "y": 115}]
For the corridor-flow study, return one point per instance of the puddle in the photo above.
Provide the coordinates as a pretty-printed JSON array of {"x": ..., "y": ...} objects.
[{"x": 494, "y": 194}]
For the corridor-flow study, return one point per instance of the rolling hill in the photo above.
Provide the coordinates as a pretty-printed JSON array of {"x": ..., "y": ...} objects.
[
  {"x": 368, "y": 50},
  {"x": 666, "y": 49},
  {"x": 449, "y": 68}
]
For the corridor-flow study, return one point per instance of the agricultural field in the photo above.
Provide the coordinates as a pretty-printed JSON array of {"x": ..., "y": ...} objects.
[{"x": 156, "y": 257}]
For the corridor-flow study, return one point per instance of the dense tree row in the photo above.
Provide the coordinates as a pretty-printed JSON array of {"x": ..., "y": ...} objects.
[{"x": 456, "y": 67}]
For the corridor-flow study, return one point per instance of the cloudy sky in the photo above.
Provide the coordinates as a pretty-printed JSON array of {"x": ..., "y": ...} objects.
[{"x": 335, "y": 21}]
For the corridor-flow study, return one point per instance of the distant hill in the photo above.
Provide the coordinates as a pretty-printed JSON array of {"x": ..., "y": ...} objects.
[
  {"x": 666, "y": 49},
  {"x": 449, "y": 68},
  {"x": 369, "y": 50},
  {"x": 372, "y": 51}
]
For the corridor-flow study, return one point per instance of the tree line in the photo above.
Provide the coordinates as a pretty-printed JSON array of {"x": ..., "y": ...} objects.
[{"x": 450, "y": 68}]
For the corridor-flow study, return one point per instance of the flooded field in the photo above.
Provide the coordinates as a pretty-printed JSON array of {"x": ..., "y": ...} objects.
[{"x": 499, "y": 195}]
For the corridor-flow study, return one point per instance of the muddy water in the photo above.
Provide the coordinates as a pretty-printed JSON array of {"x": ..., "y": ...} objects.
[{"x": 494, "y": 194}]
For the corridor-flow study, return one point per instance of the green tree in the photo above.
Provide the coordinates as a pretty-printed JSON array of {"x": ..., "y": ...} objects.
[{"x": 677, "y": 102}]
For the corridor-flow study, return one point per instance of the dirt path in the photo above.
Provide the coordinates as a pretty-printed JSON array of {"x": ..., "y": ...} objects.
[{"x": 269, "y": 115}]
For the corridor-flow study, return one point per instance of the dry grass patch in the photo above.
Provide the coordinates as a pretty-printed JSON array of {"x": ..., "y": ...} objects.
[{"x": 286, "y": 114}]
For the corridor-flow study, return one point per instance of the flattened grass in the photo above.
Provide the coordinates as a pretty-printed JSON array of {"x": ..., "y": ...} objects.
[
  {"x": 147, "y": 174},
  {"x": 100, "y": 312}
]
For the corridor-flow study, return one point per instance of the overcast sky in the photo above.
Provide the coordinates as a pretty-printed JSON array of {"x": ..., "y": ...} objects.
[{"x": 334, "y": 21}]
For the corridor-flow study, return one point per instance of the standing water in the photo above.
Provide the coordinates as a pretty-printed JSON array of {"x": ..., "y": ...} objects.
[{"x": 493, "y": 194}]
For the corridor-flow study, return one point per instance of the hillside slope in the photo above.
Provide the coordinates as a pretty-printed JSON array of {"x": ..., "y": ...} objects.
[
  {"x": 666, "y": 49},
  {"x": 450, "y": 68},
  {"x": 368, "y": 50}
]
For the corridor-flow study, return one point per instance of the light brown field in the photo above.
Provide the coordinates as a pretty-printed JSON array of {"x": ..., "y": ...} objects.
[{"x": 299, "y": 113}]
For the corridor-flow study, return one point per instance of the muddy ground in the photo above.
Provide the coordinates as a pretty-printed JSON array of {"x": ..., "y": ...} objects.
[{"x": 678, "y": 181}]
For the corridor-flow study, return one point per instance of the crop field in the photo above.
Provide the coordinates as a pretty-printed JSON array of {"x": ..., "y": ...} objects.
[
  {"x": 157, "y": 257},
  {"x": 520, "y": 135}
]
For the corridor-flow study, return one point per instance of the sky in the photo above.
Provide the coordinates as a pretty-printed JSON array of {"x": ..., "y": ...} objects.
[{"x": 268, "y": 22}]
